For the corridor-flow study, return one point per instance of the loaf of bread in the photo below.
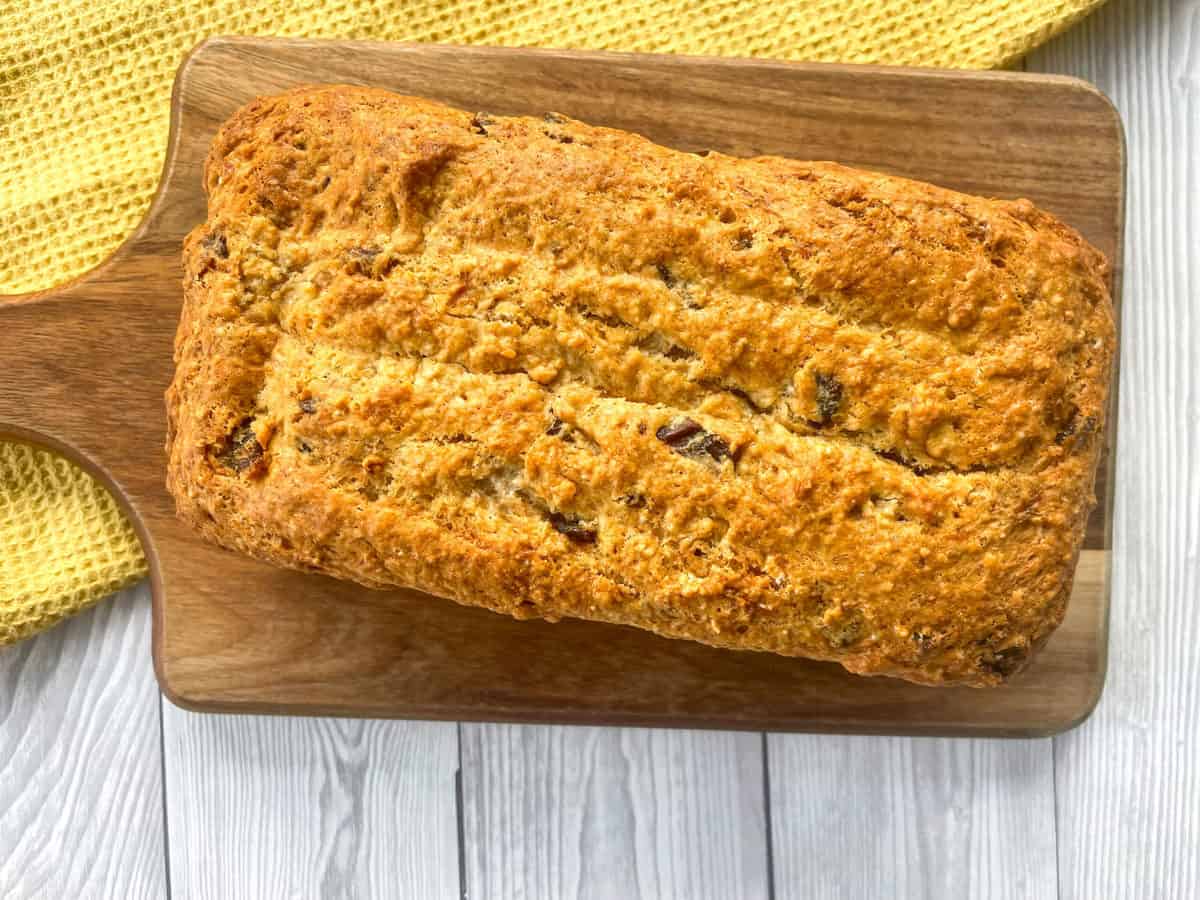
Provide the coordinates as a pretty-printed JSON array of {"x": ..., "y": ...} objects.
[{"x": 557, "y": 370}]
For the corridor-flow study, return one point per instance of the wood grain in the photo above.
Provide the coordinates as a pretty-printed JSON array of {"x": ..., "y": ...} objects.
[
  {"x": 912, "y": 818},
  {"x": 80, "y": 771},
  {"x": 612, "y": 813},
  {"x": 95, "y": 358},
  {"x": 1128, "y": 782},
  {"x": 272, "y": 807}
]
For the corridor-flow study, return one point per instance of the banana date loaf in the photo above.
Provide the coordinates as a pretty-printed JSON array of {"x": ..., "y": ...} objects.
[{"x": 557, "y": 370}]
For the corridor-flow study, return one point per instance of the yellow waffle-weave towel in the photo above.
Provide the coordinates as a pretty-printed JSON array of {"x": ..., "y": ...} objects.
[{"x": 84, "y": 91}]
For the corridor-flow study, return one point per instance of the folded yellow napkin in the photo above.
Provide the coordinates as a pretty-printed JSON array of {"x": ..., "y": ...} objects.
[{"x": 84, "y": 92}]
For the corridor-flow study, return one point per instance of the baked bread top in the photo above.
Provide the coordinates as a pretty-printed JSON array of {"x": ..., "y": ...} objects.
[{"x": 557, "y": 370}]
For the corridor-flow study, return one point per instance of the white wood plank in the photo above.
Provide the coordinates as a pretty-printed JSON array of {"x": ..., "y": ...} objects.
[
  {"x": 911, "y": 817},
  {"x": 80, "y": 758},
  {"x": 280, "y": 807},
  {"x": 1128, "y": 780},
  {"x": 568, "y": 812}
]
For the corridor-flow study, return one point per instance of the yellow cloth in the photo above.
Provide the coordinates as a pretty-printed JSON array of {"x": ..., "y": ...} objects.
[{"x": 84, "y": 91}]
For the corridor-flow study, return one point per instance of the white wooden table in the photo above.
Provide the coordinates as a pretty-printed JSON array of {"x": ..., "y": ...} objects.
[{"x": 107, "y": 790}]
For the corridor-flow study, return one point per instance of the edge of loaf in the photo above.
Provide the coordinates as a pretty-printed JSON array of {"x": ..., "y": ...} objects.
[{"x": 557, "y": 370}]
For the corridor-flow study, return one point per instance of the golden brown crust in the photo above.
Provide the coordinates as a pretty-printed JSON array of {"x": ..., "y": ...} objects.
[{"x": 557, "y": 370}]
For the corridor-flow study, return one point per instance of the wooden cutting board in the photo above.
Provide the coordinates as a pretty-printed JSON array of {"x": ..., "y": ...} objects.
[{"x": 85, "y": 366}]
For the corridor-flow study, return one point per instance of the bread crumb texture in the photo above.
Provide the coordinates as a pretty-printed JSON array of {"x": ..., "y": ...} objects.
[{"x": 557, "y": 370}]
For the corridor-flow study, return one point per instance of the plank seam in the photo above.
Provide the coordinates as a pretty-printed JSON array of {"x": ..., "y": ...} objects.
[
  {"x": 1058, "y": 871},
  {"x": 458, "y": 810},
  {"x": 769, "y": 841},
  {"x": 162, "y": 770}
]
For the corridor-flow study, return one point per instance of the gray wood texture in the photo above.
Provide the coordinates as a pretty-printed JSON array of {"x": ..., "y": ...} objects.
[
  {"x": 262, "y": 807},
  {"x": 1128, "y": 780},
  {"x": 566, "y": 812},
  {"x": 912, "y": 817},
  {"x": 80, "y": 762},
  {"x": 259, "y": 807}
]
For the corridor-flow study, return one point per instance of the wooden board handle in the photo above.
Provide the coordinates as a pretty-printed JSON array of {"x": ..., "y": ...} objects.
[{"x": 79, "y": 356}]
